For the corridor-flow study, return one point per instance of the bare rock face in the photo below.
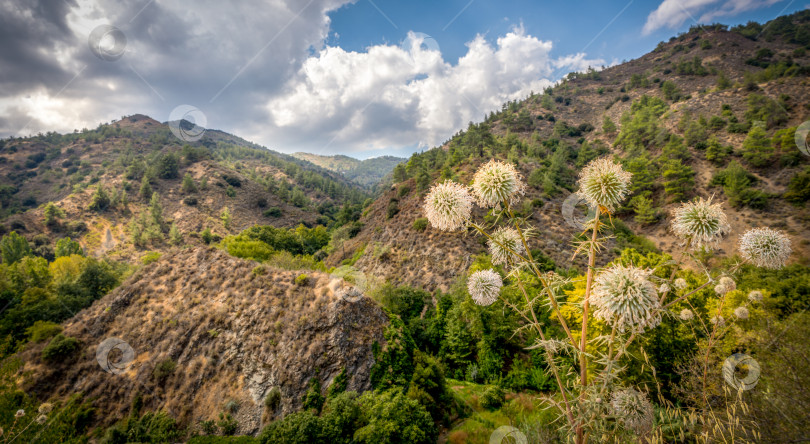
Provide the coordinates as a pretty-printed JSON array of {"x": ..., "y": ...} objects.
[{"x": 200, "y": 330}]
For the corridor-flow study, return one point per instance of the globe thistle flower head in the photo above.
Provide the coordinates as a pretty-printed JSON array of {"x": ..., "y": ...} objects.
[
  {"x": 741, "y": 312},
  {"x": 765, "y": 247},
  {"x": 603, "y": 184},
  {"x": 680, "y": 283},
  {"x": 755, "y": 296},
  {"x": 664, "y": 288},
  {"x": 729, "y": 283},
  {"x": 634, "y": 410},
  {"x": 496, "y": 182},
  {"x": 20, "y": 413},
  {"x": 45, "y": 408},
  {"x": 720, "y": 289},
  {"x": 505, "y": 246},
  {"x": 701, "y": 222},
  {"x": 484, "y": 286},
  {"x": 718, "y": 321},
  {"x": 686, "y": 315},
  {"x": 625, "y": 297},
  {"x": 42, "y": 419},
  {"x": 448, "y": 206}
]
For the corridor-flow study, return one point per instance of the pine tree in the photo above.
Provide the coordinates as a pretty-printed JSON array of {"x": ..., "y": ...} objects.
[
  {"x": 757, "y": 149},
  {"x": 175, "y": 237},
  {"x": 188, "y": 184},
  {"x": 146, "y": 189},
  {"x": 52, "y": 214},
  {"x": 225, "y": 216},
  {"x": 100, "y": 200},
  {"x": 608, "y": 126},
  {"x": 156, "y": 211}
]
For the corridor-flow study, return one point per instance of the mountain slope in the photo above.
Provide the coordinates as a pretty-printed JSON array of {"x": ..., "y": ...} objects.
[
  {"x": 678, "y": 118},
  {"x": 256, "y": 185},
  {"x": 207, "y": 329}
]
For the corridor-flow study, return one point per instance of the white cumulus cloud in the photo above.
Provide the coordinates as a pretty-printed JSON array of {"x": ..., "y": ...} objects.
[
  {"x": 673, "y": 13},
  {"x": 395, "y": 96}
]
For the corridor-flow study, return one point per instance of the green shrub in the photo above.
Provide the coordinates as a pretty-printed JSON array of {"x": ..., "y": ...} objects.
[
  {"x": 493, "y": 397},
  {"x": 403, "y": 190},
  {"x": 313, "y": 398},
  {"x": 227, "y": 424},
  {"x": 259, "y": 271},
  {"x": 272, "y": 212},
  {"x": 150, "y": 256},
  {"x": 60, "y": 348},
  {"x": 164, "y": 369},
  {"x": 42, "y": 330},
  {"x": 799, "y": 187},
  {"x": 301, "y": 280},
  {"x": 273, "y": 399},
  {"x": 248, "y": 249},
  {"x": 393, "y": 208},
  {"x": 420, "y": 224}
]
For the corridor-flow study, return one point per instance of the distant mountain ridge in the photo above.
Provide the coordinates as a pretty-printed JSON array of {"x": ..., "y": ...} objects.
[{"x": 368, "y": 172}]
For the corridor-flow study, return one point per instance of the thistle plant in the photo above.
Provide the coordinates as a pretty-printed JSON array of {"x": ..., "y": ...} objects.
[
  {"x": 765, "y": 247},
  {"x": 700, "y": 223},
  {"x": 628, "y": 300}
]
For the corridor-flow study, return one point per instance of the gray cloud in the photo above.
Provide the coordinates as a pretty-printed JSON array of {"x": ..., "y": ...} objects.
[{"x": 258, "y": 69}]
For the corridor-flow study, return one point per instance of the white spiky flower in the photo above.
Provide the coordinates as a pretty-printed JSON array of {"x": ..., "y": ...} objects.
[
  {"x": 728, "y": 283},
  {"x": 496, "y": 182},
  {"x": 701, "y": 222},
  {"x": 741, "y": 312},
  {"x": 720, "y": 289},
  {"x": 603, "y": 184},
  {"x": 625, "y": 297},
  {"x": 484, "y": 286},
  {"x": 681, "y": 283},
  {"x": 448, "y": 206},
  {"x": 42, "y": 419},
  {"x": 633, "y": 409},
  {"x": 45, "y": 408},
  {"x": 718, "y": 321},
  {"x": 765, "y": 247},
  {"x": 505, "y": 246},
  {"x": 664, "y": 288},
  {"x": 686, "y": 314},
  {"x": 20, "y": 413},
  {"x": 755, "y": 296}
]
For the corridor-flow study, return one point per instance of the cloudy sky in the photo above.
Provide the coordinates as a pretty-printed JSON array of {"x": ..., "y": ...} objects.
[{"x": 363, "y": 78}]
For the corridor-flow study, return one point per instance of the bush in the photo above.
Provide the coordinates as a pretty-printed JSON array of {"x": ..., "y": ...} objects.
[
  {"x": 420, "y": 224},
  {"x": 272, "y": 212},
  {"x": 273, "y": 399},
  {"x": 190, "y": 201},
  {"x": 149, "y": 257},
  {"x": 42, "y": 330},
  {"x": 313, "y": 398},
  {"x": 164, "y": 369},
  {"x": 60, "y": 348},
  {"x": 227, "y": 424},
  {"x": 393, "y": 208},
  {"x": 493, "y": 398},
  {"x": 301, "y": 280}
]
